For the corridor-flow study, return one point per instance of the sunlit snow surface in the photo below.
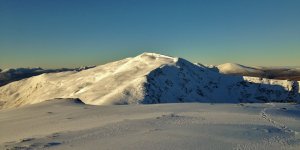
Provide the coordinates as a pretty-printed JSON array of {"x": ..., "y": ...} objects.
[{"x": 68, "y": 124}]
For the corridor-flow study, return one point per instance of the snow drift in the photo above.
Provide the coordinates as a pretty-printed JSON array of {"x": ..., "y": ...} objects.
[{"x": 147, "y": 79}]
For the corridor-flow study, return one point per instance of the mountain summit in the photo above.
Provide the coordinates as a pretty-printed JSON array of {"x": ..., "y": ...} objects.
[{"x": 146, "y": 79}]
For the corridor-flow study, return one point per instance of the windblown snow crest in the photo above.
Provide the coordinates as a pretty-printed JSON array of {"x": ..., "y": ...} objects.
[{"x": 146, "y": 79}]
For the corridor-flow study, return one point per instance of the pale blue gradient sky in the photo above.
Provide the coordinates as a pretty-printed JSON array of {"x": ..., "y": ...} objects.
[{"x": 65, "y": 33}]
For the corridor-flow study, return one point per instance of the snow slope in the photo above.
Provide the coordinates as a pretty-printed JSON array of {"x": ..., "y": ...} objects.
[
  {"x": 68, "y": 124},
  {"x": 148, "y": 78},
  {"x": 11, "y": 75}
]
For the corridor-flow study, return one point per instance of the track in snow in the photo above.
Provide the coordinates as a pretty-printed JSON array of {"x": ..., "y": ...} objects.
[{"x": 276, "y": 124}]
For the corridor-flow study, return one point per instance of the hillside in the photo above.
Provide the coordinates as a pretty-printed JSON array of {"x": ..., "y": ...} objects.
[{"x": 11, "y": 75}]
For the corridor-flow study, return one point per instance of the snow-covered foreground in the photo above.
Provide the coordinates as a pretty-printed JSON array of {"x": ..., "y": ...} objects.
[{"x": 69, "y": 124}]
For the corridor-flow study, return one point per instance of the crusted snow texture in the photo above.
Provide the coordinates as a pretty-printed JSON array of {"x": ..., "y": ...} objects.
[{"x": 147, "y": 79}]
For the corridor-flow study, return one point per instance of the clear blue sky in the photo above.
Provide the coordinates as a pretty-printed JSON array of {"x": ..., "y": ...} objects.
[{"x": 69, "y": 33}]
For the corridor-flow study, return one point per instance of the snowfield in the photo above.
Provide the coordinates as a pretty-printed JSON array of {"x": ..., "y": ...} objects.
[
  {"x": 85, "y": 109},
  {"x": 147, "y": 79},
  {"x": 70, "y": 124}
]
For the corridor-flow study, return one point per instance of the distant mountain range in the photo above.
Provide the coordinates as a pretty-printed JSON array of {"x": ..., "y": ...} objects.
[
  {"x": 283, "y": 73},
  {"x": 151, "y": 78}
]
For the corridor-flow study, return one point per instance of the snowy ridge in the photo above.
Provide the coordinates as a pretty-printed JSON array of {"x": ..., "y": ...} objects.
[
  {"x": 148, "y": 78},
  {"x": 200, "y": 84}
]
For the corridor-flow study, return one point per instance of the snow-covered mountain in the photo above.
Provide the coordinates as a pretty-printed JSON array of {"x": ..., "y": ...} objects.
[
  {"x": 286, "y": 73},
  {"x": 146, "y": 79},
  {"x": 233, "y": 68}
]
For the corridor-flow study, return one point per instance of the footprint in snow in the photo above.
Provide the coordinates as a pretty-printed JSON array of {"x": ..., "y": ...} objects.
[
  {"x": 50, "y": 144},
  {"x": 27, "y": 140}
]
